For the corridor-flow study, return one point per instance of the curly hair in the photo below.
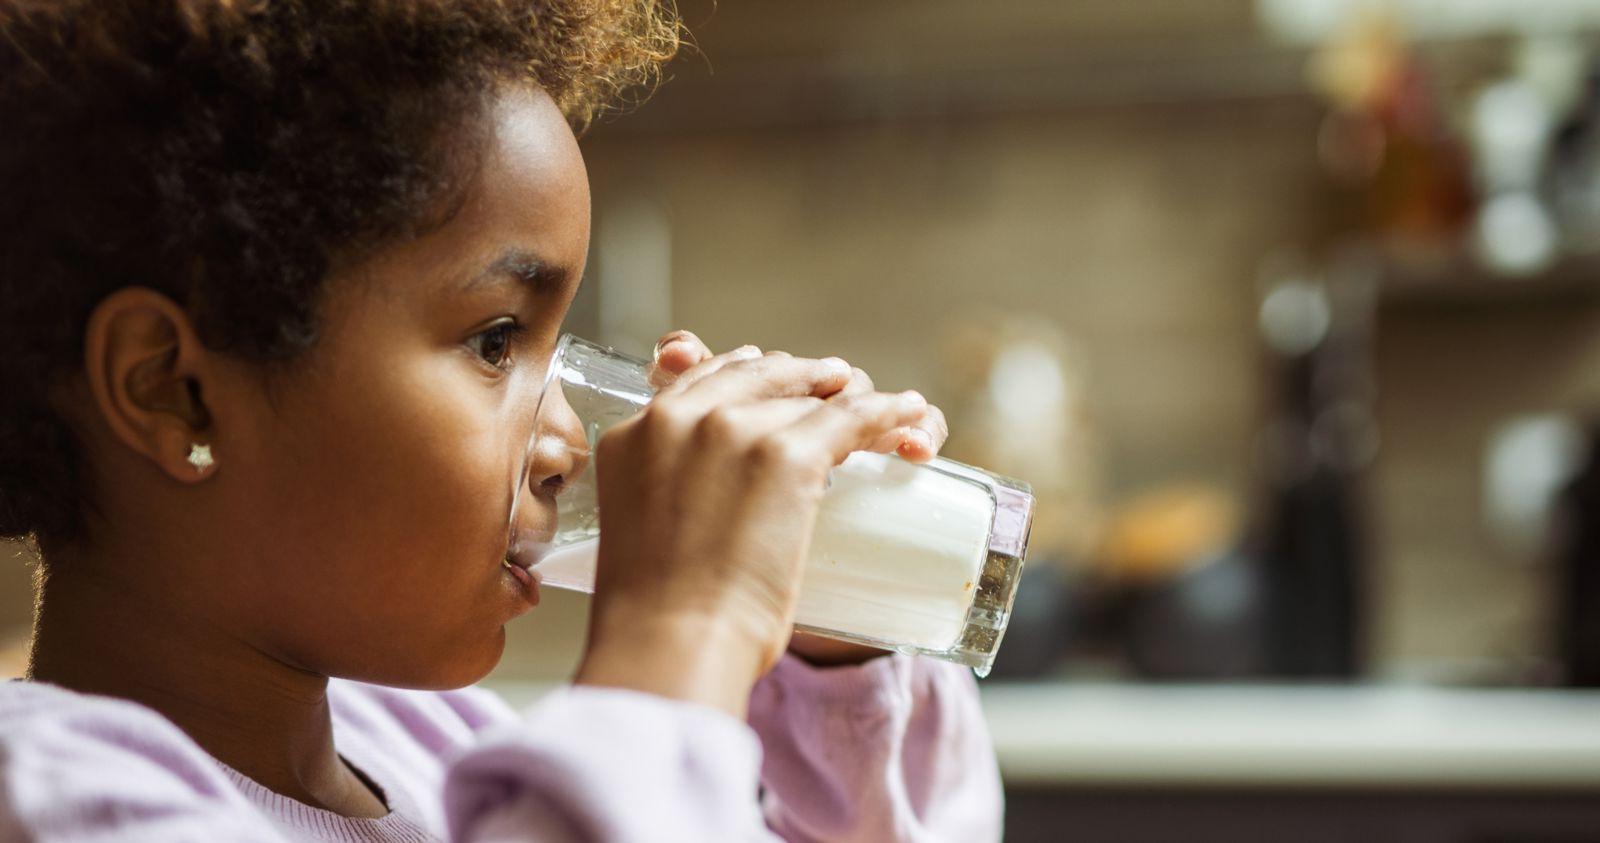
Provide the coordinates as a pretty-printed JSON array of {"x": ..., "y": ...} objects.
[{"x": 230, "y": 154}]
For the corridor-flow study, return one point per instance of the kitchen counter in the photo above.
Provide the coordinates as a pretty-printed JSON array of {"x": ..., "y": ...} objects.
[{"x": 1294, "y": 736}]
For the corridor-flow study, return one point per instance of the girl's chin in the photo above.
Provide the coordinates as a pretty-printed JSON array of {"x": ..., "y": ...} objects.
[{"x": 467, "y": 666}]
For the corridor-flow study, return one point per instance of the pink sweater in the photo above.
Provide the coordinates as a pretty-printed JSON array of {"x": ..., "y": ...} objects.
[{"x": 895, "y": 749}]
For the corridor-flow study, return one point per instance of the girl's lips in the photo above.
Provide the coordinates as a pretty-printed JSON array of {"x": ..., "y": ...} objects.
[
  {"x": 521, "y": 553},
  {"x": 524, "y": 577}
]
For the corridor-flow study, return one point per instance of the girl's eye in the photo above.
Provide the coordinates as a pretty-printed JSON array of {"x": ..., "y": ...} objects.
[{"x": 494, "y": 343}]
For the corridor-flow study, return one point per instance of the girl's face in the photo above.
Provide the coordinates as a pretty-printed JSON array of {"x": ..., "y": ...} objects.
[{"x": 369, "y": 490}]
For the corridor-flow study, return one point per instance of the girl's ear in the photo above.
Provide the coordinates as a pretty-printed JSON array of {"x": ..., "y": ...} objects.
[{"x": 147, "y": 371}]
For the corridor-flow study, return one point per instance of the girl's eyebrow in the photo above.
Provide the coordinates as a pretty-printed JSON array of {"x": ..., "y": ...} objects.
[{"x": 524, "y": 267}]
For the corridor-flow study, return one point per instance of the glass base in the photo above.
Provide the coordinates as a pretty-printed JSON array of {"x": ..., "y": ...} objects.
[{"x": 985, "y": 625}]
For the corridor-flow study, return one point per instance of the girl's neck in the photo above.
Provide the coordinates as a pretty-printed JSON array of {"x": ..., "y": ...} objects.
[{"x": 269, "y": 720}]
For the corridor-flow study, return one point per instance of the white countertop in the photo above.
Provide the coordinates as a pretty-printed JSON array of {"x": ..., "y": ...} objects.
[
  {"x": 1294, "y": 736},
  {"x": 1283, "y": 736}
]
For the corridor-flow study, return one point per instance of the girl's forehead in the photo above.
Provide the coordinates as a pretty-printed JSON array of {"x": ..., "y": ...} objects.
[
  {"x": 531, "y": 185},
  {"x": 523, "y": 215}
]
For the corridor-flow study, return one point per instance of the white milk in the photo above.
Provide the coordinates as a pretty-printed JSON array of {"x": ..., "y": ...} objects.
[{"x": 896, "y": 554}]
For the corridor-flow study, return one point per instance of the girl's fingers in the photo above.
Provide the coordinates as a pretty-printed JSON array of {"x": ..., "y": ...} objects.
[
  {"x": 892, "y": 441},
  {"x": 749, "y": 422},
  {"x": 682, "y": 360},
  {"x": 845, "y": 425},
  {"x": 705, "y": 368},
  {"x": 758, "y": 378},
  {"x": 860, "y": 383},
  {"x": 918, "y": 441},
  {"x": 922, "y": 440},
  {"x": 676, "y": 353}
]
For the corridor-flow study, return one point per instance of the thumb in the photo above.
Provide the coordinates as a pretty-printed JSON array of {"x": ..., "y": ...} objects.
[{"x": 676, "y": 353}]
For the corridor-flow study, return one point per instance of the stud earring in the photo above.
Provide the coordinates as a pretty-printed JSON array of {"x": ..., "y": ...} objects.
[{"x": 200, "y": 457}]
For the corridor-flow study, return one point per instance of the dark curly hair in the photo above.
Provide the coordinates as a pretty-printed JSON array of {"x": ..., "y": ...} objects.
[{"x": 230, "y": 153}]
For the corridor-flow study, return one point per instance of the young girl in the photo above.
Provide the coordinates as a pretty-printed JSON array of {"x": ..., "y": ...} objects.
[{"x": 278, "y": 281}]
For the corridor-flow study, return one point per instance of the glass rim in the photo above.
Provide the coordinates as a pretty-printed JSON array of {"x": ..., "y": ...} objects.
[{"x": 520, "y": 477}]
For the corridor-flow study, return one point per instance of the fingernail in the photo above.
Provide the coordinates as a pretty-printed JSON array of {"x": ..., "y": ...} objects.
[
  {"x": 669, "y": 339},
  {"x": 838, "y": 365},
  {"x": 747, "y": 352},
  {"x": 913, "y": 399},
  {"x": 922, "y": 438}
]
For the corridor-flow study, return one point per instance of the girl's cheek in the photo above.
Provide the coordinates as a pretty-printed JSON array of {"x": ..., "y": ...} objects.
[{"x": 482, "y": 472}]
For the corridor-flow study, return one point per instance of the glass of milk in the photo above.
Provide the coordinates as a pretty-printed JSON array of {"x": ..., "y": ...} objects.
[{"x": 915, "y": 558}]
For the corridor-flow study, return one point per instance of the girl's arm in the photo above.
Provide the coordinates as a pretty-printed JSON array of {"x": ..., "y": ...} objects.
[
  {"x": 592, "y": 764},
  {"x": 894, "y": 749}
]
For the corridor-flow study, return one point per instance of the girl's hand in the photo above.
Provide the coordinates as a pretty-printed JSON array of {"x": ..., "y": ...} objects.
[
  {"x": 710, "y": 495},
  {"x": 679, "y": 351},
  {"x": 918, "y": 442}
]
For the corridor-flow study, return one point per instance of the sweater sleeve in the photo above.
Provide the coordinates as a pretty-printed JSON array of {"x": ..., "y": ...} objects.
[
  {"x": 602, "y": 764},
  {"x": 893, "y": 749}
]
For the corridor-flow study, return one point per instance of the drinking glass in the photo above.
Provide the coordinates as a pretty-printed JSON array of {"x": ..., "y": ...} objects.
[{"x": 916, "y": 558}]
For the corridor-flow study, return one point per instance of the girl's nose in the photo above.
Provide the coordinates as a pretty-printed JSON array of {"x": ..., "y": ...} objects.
[{"x": 560, "y": 449}]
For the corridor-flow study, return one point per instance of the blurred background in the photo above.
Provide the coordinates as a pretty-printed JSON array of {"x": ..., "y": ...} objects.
[{"x": 1288, "y": 309}]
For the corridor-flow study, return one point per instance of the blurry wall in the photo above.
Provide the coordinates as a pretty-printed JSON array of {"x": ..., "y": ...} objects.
[
  {"x": 1137, "y": 231},
  {"x": 1448, "y": 598}
]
